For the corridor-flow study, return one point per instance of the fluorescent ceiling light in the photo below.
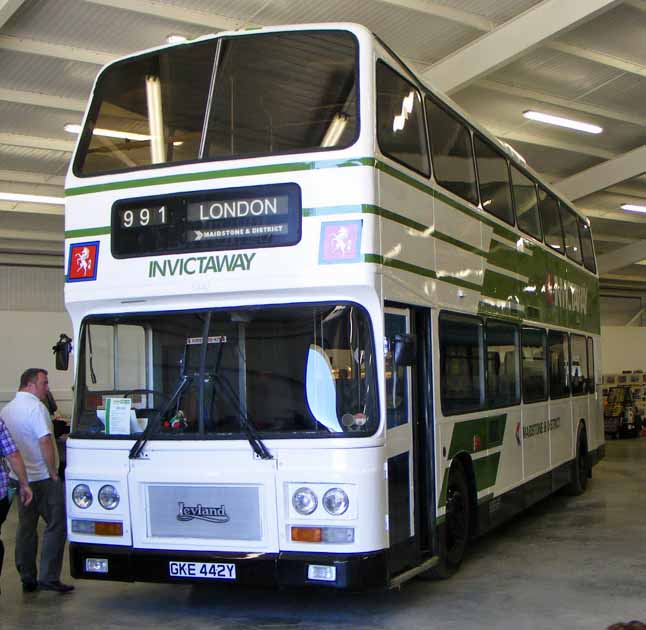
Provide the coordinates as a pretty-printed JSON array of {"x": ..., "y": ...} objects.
[
  {"x": 111, "y": 133},
  {"x": 562, "y": 122},
  {"x": 334, "y": 131},
  {"x": 58, "y": 201},
  {"x": 631, "y": 207},
  {"x": 399, "y": 121}
]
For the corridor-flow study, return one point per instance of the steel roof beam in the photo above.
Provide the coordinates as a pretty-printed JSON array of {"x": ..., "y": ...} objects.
[
  {"x": 26, "y": 177},
  {"x": 7, "y": 9},
  {"x": 598, "y": 57},
  {"x": 21, "y": 207},
  {"x": 512, "y": 39},
  {"x": 175, "y": 13},
  {"x": 542, "y": 97},
  {"x": 526, "y": 136},
  {"x": 602, "y": 176},
  {"x": 42, "y": 100},
  {"x": 613, "y": 215},
  {"x": 27, "y": 235},
  {"x": 50, "y": 248},
  {"x": 622, "y": 257},
  {"x": 464, "y": 18},
  {"x": 58, "y": 51},
  {"x": 37, "y": 142}
]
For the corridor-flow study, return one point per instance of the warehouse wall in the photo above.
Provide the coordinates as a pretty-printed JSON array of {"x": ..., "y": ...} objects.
[
  {"x": 623, "y": 348},
  {"x": 32, "y": 316}
]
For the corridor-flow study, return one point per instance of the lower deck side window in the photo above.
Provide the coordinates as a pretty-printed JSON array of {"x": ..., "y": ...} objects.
[
  {"x": 558, "y": 362},
  {"x": 534, "y": 366},
  {"x": 461, "y": 360}
]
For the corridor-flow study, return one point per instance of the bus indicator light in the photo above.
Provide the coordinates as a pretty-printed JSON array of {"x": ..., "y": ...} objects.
[{"x": 307, "y": 534}]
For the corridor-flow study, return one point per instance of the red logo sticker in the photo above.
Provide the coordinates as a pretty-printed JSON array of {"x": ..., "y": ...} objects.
[{"x": 83, "y": 262}]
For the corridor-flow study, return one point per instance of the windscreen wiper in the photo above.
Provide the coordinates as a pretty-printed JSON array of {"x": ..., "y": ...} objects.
[
  {"x": 153, "y": 424},
  {"x": 246, "y": 424}
]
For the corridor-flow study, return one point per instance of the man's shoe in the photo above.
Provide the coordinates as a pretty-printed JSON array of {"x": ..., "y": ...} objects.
[
  {"x": 57, "y": 586},
  {"x": 29, "y": 587}
]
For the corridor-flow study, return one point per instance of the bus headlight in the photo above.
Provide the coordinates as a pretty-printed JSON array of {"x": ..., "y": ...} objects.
[
  {"x": 335, "y": 501},
  {"x": 304, "y": 501},
  {"x": 108, "y": 497},
  {"x": 82, "y": 496}
]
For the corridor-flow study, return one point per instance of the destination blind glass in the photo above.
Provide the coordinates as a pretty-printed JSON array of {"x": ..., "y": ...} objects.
[{"x": 234, "y": 218}]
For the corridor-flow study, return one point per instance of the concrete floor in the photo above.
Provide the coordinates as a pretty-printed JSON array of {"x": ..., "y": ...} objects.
[{"x": 568, "y": 563}]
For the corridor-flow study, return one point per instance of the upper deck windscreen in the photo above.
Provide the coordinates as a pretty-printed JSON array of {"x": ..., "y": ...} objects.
[{"x": 261, "y": 94}]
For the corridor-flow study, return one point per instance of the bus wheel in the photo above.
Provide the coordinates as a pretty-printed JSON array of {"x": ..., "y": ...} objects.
[
  {"x": 454, "y": 536},
  {"x": 580, "y": 470}
]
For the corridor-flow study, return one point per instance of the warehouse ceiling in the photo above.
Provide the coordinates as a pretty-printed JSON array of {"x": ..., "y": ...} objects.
[{"x": 578, "y": 59}]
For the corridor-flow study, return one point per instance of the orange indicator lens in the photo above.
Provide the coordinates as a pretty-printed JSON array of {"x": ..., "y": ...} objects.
[
  {"x": 108, "y": 529},
  {"x": 307, "y": 534}
]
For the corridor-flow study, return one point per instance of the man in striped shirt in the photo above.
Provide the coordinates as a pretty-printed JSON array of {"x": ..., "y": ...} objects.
[{"x": 10, "y": 452}]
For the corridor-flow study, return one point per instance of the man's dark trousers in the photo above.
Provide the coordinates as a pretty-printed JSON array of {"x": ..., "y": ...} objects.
[{"x": 48, "y": 503}]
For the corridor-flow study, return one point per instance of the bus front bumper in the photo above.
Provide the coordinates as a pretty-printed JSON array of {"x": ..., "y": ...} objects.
[{"x": 351, "y": 571}]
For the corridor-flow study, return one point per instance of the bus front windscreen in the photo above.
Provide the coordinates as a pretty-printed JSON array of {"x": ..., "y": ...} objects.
[
  {"x": 286, "y": 371},
  {"x": 249, "y": 95}
]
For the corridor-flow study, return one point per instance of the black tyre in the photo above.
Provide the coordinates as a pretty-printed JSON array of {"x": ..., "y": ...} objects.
[
  {"x": 580, "y": 469},
  {"x": 454, "y": 535}
]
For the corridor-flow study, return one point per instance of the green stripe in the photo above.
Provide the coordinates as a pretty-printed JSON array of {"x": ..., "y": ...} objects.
[
  {"x": 407, "y": 179},
  {"x": 290, "y": 167},
  {"x": 486, "y": 471},
  {"x": 233, "y": 172},
  {"x": 98, "y": 231},
  {"x": 475, "y": 436},
  {"x": 345, "y": 209},
  {"x": 420, "y": 227},
  {"x": 420, "y": 271}
]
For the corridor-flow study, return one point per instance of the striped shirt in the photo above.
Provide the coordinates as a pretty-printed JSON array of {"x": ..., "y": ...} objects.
[{"x": 7, "y": 447}]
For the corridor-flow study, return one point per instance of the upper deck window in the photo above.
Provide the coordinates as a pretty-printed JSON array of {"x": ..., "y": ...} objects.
[
  {"x": 551, "y": 219},
  {"x": 571, "y": 231},
  {"x": 400, "y": 120},
  {"x": 526, "y": 204},
  {"x": 451, "y": 152},
  {"x": 493, "y": 177},
  {"x": 586, "y": 244},
  {"x": 261, "y": 94}
]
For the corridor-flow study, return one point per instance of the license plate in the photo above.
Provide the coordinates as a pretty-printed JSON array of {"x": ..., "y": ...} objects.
[{"x": 204, "y": 570}]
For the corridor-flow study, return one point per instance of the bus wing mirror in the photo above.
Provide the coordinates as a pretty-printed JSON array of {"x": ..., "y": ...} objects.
[
  {"x": 62, "y": 349},
  {"x": 404, "y": 350}
]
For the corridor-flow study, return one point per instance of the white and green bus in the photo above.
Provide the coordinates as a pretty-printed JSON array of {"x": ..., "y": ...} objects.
[{"x": 327, "y": 328}]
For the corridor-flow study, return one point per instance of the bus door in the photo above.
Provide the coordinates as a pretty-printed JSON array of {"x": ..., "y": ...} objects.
[
  {"x": 559, "y": 425},
  {"x": 406, "y": 441},
  {"x": 532, "y": 435}
]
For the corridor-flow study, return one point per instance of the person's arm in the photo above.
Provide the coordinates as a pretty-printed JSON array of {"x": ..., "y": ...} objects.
[
  {"x": 46, "y": 445},
  {"x": 18, "y": 466}
]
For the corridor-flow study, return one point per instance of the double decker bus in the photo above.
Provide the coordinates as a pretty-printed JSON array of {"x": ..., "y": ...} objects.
[{"x": 328, "y": 329}]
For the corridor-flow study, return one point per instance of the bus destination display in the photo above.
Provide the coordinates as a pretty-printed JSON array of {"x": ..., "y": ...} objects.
[
  {"x": 219, "y": 215},
  {"x": 141, "y": 217},
  {"x": 233, "y": 218}
]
